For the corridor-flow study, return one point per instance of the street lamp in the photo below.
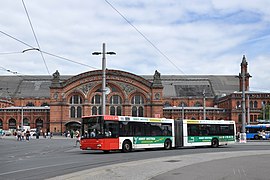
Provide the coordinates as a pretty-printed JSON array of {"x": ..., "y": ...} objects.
[
  {"x": 103, "y": 75},
  {"x": 31, "y": 49}
]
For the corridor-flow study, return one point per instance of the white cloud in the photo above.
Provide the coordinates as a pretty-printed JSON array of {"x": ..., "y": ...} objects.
[{"x": 199, "y": 37}]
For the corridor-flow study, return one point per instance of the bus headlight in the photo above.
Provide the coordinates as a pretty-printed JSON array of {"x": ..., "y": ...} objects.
[{"x": 99, "y": 145}]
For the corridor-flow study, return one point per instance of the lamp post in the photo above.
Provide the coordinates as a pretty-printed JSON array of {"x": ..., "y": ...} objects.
[
  {"x": 22, "y": 119},
  {"x": 204, "y": 111},
  {"x": 243, "y": 103},
  {"x": 248, "y": 110},
  {"x": 103, "y": 75},
  {"x": 243, "y": 75}
]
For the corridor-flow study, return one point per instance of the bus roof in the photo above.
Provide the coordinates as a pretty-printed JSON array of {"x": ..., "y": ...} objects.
[
  {"x": 190, "y": 121},
  {"x": 130, "y": 118},
  {"x": 257, "y": 125}
]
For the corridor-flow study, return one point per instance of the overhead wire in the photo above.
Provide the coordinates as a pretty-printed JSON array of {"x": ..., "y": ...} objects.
[
  {"x": 35, "y": 37},
  {"x": 6, "y": 53},
  {"x": 144, "y": 36},
  {"x": 57, "y": 56}
]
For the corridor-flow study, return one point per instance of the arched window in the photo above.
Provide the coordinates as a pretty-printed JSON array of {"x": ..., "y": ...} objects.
[
  {"x": 75, "y": 99},
  {"x": 239, "y": 118},
  {"x": 255, "y": 104},
  {"x": 75, "y": 106},
  {"x": 39, "y": 123},
  {"x": 45, "y": 104},
  {"x": 72, "y": 112},
  {"x": 238, "y": 104},
  {"x": 12, "y": 123},
  {"x": 26, "y": 122},
  {"x": 96, "y": 99},
  {"x": 30, "y": 104},
  {"x": 1, "y": 124},
  {"x": 140, "y": 111},
  {"x": 79, "y": 112},
  {"x": 94, "y": 110},
  {"x": 251, "y": 118},
  {"x": 96, "y": 105},
  {"x": 116, "y": 105},
  {"x": 197, "y": 104},
  {"x": 182, "y": 104},
  {"x": 251, "y": 104},
  {"x": 167, "y": 104},
  {"x": 137, "y": 102}
]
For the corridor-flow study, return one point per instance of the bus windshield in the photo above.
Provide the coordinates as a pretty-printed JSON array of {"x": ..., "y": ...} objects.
[{"x": 96, "y": 127}]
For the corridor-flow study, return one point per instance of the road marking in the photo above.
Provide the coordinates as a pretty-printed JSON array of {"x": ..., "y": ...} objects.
[{"x": 35, "y": 168}]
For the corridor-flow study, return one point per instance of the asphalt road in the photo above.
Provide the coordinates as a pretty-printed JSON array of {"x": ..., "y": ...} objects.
[
  {"x": 48, "y": 158},
  {"x": 252, "y": 167}
]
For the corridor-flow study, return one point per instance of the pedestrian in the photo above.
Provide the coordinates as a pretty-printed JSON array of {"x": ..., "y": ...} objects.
[
  {"x": 71, "y": 133},
  {"x": 44, "y": 134},
  {"x": 78, "y": 137},
  {"x": 37, "y": 133},
  {"x": 1, "y": 133},
  {"x": 51, "y": 135},
  {"x": 22, "y": 135},
  {"x": 27, "y": 135},
  {"x": 19, "y": 133}
]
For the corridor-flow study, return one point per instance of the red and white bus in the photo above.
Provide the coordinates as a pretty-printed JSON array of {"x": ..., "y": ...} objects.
[{"x": 127, "y": 133}]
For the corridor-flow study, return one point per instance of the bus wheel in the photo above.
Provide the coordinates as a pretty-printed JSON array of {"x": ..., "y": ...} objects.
[
  {"x": 106, "y": 151},
  {"x": 256, "y": 137},
  {"x": 126, "y": 146},
  {"x": 167, "y": 144},
  {"x": 214, "y": 143}
]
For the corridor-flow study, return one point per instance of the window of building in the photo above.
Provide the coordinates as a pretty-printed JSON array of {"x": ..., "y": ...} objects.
[
  {"x": 72, "y": 112},
  {"x": 30, "y": 104},
  {"x": 39, "y": 123},
  {"x": 167, "y": 104},
  {"x": 137, "y": 102},
  {"x": 96, "y": 99},
  {"x": 96, "y": 105},
  {"x": 182, "y": 104},
  {"x": 12, "y": 124},
  {"x": 116, "y": 105},
  {"x": 26, "y": 122},
  {"x": 239, "y": 118},
  {"x": 45, "y": 104},
  {"x": 251, "y": 118},
  {"x": 197, "y": 104},
  {"x": 255, "y": 104},
  {"x": 75, "y": 106},
  {"x": 1, "y": 124},
  {"x": 251, "y": 104},
  {"x": 238, "y": 104}
]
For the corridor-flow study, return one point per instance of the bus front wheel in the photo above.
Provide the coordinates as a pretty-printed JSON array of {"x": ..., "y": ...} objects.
[
  {"x": 126, "y": 146},
  {"x": 167, "y": 144},
  {"x": 256, "y": 137},
  {"x": 214, "y": 143}
]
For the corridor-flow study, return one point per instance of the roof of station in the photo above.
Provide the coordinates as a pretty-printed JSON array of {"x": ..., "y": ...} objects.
[{"x": 38, "y": 86}]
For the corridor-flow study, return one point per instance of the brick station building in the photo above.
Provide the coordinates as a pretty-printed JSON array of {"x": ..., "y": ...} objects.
[{"x": 56, "y": 103}]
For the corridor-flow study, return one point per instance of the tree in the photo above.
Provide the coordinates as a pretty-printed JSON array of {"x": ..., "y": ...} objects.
[{"x": 265, "y": 112}]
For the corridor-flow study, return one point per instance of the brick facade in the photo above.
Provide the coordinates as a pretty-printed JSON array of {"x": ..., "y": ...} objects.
[{"x": 63, "y": 101}]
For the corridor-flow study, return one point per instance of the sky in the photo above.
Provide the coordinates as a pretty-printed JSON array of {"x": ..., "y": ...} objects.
[{"x": 175, "y": 37}]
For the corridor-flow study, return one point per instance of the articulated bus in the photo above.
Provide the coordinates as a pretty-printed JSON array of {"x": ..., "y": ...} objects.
[{"x": 125, "y": 133}]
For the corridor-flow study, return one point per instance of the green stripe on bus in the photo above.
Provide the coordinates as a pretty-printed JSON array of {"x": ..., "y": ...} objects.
[
  {"x": 194, "y": 139},
  {"x": 150, "y": 139}
]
